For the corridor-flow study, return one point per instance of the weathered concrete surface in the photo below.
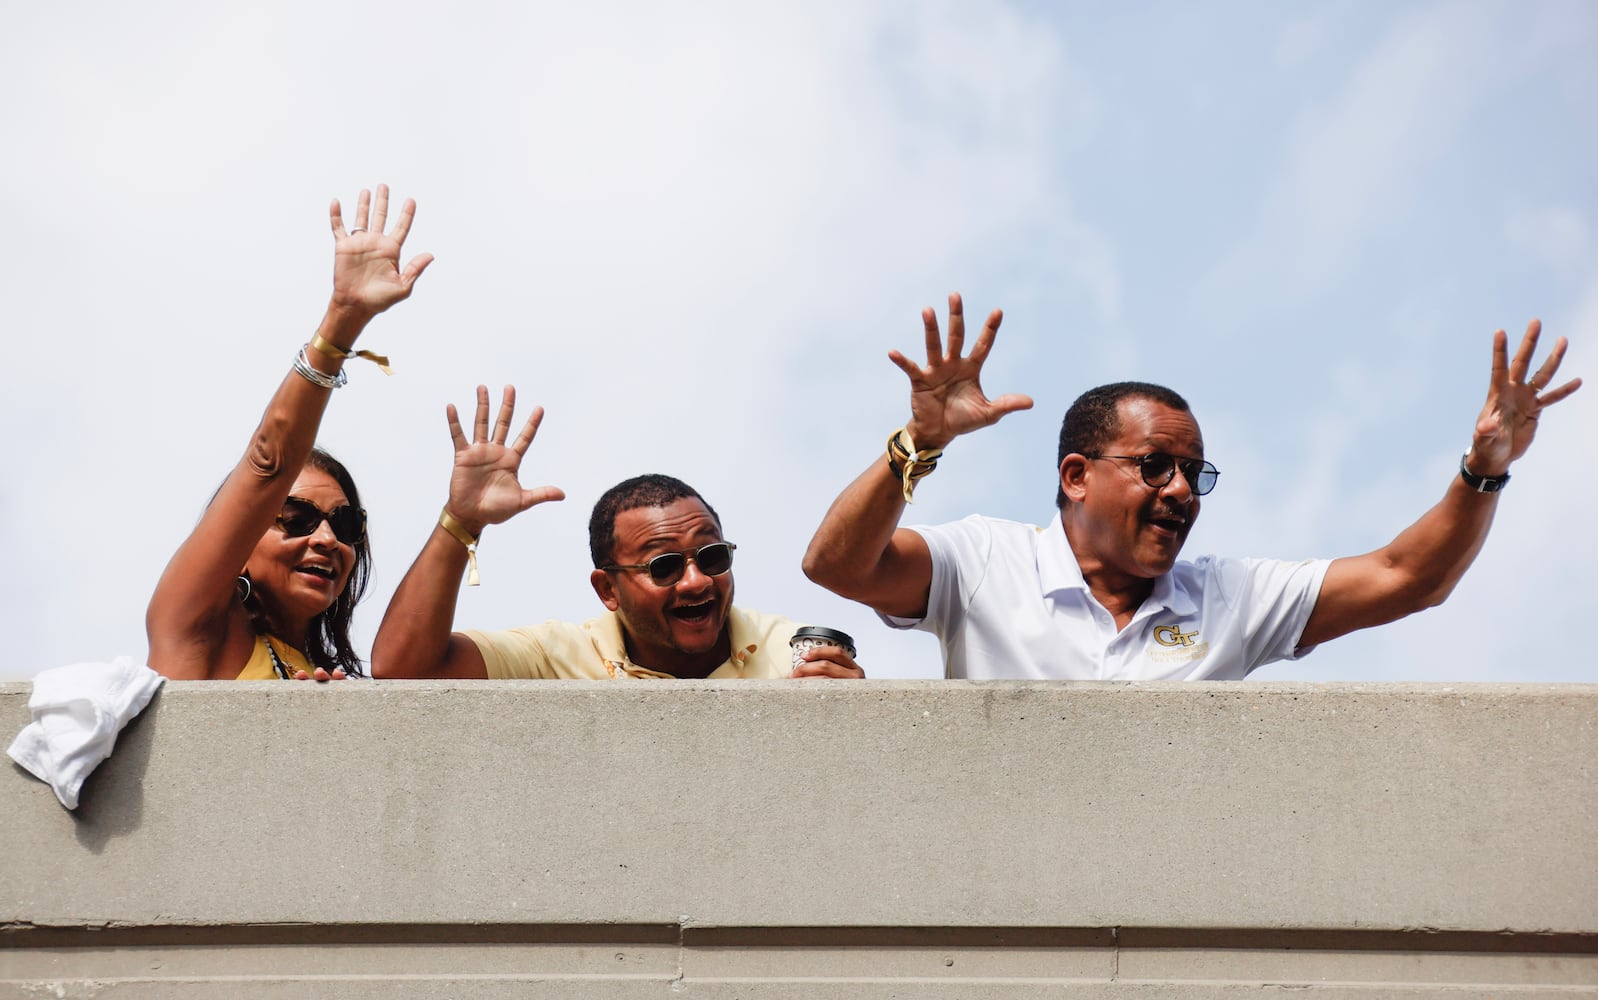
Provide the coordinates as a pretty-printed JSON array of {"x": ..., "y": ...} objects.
[{"x": 765, "y": 839}]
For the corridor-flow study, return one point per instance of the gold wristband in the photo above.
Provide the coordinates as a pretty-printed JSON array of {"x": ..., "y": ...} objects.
[
  {"x": 334, "y": 351},
  {"x": 458, "y": 531},
  {"x": 910, "y": 465}
]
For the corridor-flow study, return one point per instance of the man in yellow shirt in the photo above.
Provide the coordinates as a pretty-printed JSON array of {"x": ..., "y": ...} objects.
[{"x": 661, "y": 568}]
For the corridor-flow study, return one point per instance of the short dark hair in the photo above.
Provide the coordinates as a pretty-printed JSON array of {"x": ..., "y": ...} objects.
[
  {"x": 1094, "y": 420},
  {"x": 653, "y": 490}
]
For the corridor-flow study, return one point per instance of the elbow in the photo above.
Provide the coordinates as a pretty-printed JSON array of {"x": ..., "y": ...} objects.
[
  {"x": 386, "y": 664},
  {"x": 824, "y": 571},
  {"x": 815, "y": 568},
  {"x": 1421, "y": 593},
  {"x": 264, "y": 458},
  {"x": 267, "y": 456}
]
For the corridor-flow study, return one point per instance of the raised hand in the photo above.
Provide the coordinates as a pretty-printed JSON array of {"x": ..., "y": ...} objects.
[
  {"x": 1515, "y": 400},
  {"x": 946, "y": 398},
  {"x": 366, "y": 275},
  {"x": 484, "y": 488}
]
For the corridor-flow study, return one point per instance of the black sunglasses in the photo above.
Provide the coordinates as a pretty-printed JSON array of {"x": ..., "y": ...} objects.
[
  {"x": 1158, "y": 468},
  {"x": 666, "y": 569},
  {"x": 301, "y": 517}
]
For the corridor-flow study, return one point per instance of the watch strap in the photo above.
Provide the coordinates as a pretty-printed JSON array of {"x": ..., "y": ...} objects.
[{"x": 1481, "y": 484}]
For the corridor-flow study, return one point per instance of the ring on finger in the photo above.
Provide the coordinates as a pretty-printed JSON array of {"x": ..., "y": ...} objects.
[{"x": 357, "y": 229}]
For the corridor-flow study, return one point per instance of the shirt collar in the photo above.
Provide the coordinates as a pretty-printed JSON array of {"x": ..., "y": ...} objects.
[
  {"x": 1058, "y": 571},
  {"x": 605, "y": 631}
]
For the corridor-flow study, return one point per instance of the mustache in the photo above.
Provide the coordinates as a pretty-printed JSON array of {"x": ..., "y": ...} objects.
[{"x": 1169, "y": 511}]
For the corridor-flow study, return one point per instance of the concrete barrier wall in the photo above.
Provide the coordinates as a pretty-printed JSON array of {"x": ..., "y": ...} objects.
[{"x": 781, "y": 839}]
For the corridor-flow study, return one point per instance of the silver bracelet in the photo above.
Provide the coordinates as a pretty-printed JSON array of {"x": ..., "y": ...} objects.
[{"x": 315, "y": 377}]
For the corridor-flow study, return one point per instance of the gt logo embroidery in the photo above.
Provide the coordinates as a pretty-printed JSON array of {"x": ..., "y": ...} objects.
[{"x": 1172, "y": 635}]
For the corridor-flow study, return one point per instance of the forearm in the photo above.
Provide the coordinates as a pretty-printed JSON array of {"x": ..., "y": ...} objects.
[
  {"x": 1431, "y": 555},
  {"x": 198, "y": 582},
  {"x": 414, "y": 638},
  {"x": 853, "y": 537},
  {"x": 1416, "y": 570},
  {"x": 859, "y": 551}
]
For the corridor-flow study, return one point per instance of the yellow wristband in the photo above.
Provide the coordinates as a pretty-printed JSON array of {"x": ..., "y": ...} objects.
[
  {"x": 334, "y": 351},
  {"x": 458, "y": 531},
  {"x": 907, "y": 463}
]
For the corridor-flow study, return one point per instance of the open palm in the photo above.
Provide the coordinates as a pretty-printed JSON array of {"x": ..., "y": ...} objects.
[{"x": 946, "y": 397}]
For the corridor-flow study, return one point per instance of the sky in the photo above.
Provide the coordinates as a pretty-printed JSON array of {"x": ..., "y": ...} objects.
[{"x": 693, "y": 232}]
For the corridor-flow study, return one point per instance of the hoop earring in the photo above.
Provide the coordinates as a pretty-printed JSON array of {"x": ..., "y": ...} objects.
[{"x": 243, "y": 588}]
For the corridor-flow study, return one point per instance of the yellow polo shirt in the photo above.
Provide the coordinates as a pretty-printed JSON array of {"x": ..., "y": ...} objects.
[{"x": 594, "y": 650}]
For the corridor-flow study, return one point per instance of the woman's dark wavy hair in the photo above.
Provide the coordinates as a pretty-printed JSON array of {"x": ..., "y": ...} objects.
[{"x": 327, "y": 642}]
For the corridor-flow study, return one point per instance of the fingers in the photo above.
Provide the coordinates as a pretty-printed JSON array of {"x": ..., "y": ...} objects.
[
  {"x": 1550, "y": 366},
  {"x": 956, "y": 325},
  {"x": 828, "y": 661},
  {"x": 507, "y": 409},
  {"x": 1500, "y": 375},
  {"x": 480, "y": 425},
  {"x": 402, "y": 222},
  {"x": 1011, "y": 402},
  {"x": 414, "y": 270},
  {"x": 990, "y": 329},
  {"x": 337, "y": 213},
  {"x": 543, "y": 494},
  {"x": 823, "y": 668},
  {"x": 907, "y": 366},
  {"x": 455, "y": 433},
  {"x": 1553, "y": 396},
  {"x": 363, "y": 207},
  {"x": 929, "y": 321},
  {"x": 380, "y": 210},
  {"x": 529, "y": 430},
  {"x": 1522, "y": 359}
]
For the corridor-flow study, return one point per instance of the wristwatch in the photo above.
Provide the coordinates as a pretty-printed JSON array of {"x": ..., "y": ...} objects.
[{"x": 1481, "y": 484}]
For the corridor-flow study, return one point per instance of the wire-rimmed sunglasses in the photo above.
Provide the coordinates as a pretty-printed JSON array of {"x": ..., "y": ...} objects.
[
  {"x": 1159, "y": 468},
  {"x": 301, "y": 517},
  {"x": 668, "y": 567}
]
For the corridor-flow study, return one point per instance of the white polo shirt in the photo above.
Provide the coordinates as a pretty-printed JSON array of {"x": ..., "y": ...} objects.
[{"x": 1008, "y": 602}]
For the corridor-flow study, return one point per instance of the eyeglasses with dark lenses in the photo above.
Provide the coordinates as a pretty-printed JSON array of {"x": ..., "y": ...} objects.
[
  {"x": 666, "y": 569},
  {"x": 301, "y": 517},
  {"x": 1158, "y": 468}
]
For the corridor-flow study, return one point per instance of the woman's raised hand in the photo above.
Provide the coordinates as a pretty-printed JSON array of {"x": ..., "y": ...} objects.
[{"x": 366, "y": 274}]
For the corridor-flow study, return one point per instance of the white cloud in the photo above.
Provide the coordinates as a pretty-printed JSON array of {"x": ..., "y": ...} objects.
[
  {"x": 693, "y": 233},
  {"x": 1556, "y": 236},
  {"x": 656, "y": 223}
]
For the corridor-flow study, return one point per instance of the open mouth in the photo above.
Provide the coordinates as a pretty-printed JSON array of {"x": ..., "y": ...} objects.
[
  {"x": 693, "y": 614},
  {"x": 316, "y": 570},
  {"x": 1169, "y": 521}
]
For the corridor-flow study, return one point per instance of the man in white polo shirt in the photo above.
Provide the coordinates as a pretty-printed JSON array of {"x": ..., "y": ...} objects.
[{"x": 1098, "y": 593}]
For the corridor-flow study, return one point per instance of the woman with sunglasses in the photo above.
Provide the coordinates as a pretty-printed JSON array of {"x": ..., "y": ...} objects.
[{"x": 265, "y": 584}]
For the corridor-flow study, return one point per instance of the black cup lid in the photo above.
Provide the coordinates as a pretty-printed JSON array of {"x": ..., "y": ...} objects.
[{"x": 831, "y": 635}]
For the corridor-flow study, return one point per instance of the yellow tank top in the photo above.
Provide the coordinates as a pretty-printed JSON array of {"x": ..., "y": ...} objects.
[{"x": 260, "y": 666}]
